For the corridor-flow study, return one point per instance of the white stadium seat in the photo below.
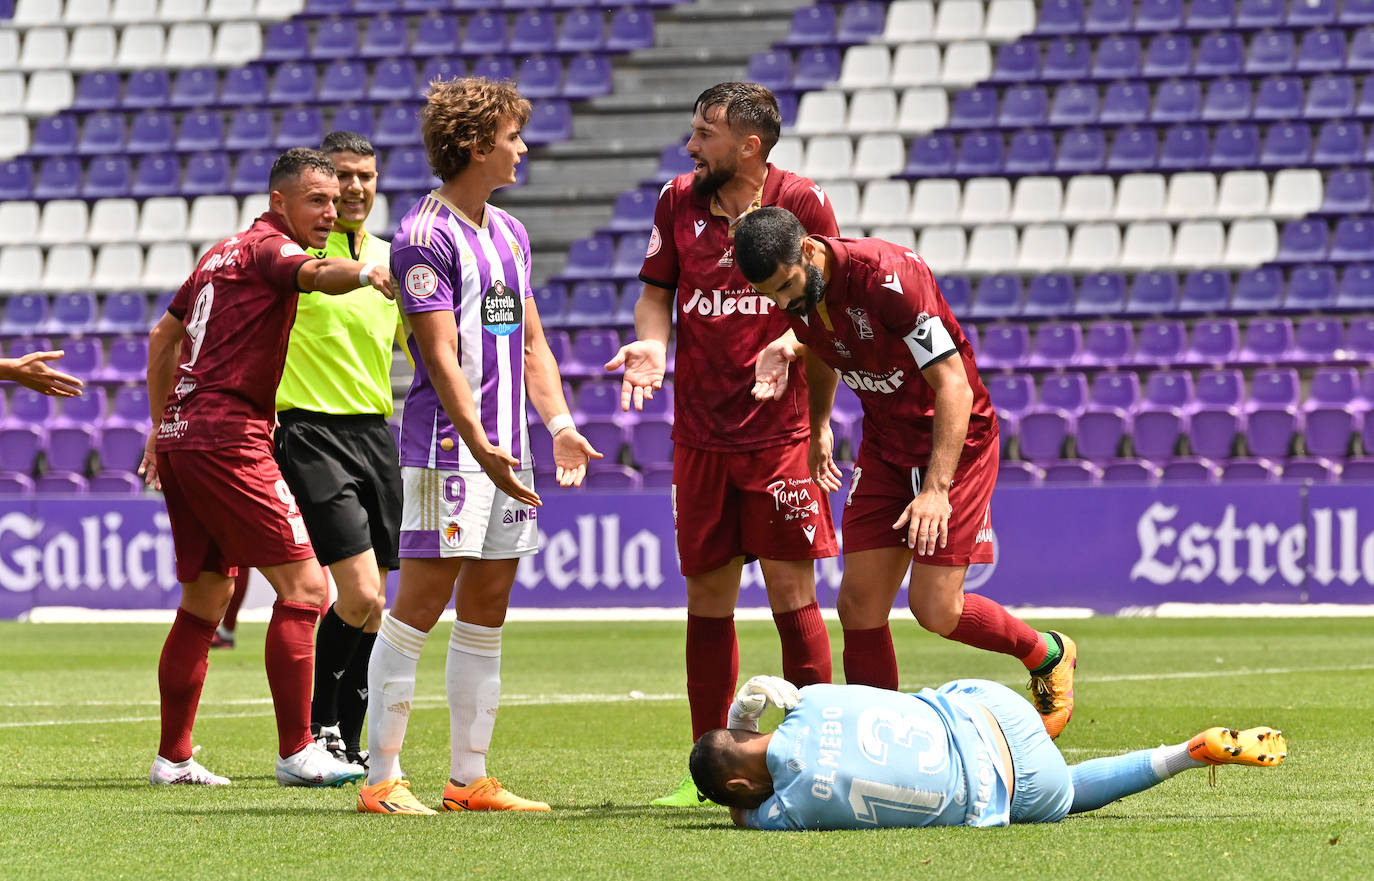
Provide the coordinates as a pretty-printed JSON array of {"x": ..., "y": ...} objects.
[
  {"x": 916, "y": 64},
  {"x": 872, "y": 110},
  {"x": 381, "y": 210},
  {"x": 93, "y": 47},
  {"x": 269, "y": 10},
  {"x": 213, "y": 217},
  {"x": 885, "y": 203},
  {"x": 68, "y": 267},
  {"x": 237, "y": 42},
  {"x": 959, "y": 20},
  {"x": 133, "y": 11},
  {"x": 141, "y": 45},
  {"x": 986, "y": 200},
  {"x": 1044, "y": 247},
  {"x": 9, "y": 49},
  {"x": 21, "y": 267},
  {"x": 229, "y": 10},
  {"x": 993, "y": 248},
  {"x": 163, "y": 219},
  {"x": 786, "y": 153},
  {"x": 1191, "y": 194},
  {"x": 79, "y": 12},
  {"x": 182, "y": 10},
  {"x": 1243, "y": 194},
  {"x": 866, "y": 67},
  {"x": 44, "y": 49},
  {"x": 189, "y": 44},
  {"x": 167, "y": 265},
  {"x": 934, "y": 201},
  {"x": 829, "y": 157},
  {"x": 64, "y": 221},
  {"x": 844, "y": 200},
  {"x": 1095, "y": 246},
  {"x": 14, "y": 136},
  {"x": 113, "y": 220},
  {"x": 1140, "y": 197},
  {"x": 1089, "y": 197},
  {"x": 250, "y": 209},
  {"x": 12, "y": 86},
  {"x": 35, "y": 13},
  {"x": 1251, "y": 243},
  {"x": 18, "y": 221},
  {"x": 1199, "y": 244},
  {"x": 879, "y": 156},
  {"x": 966, "y": 63},
  {"x": 821, "y": 113},
  {"x": 922, "y": 110},
  {"x": 901, "y": 236},
  {"x": 49, "y": 91},
  {"x": 909, "y": 21},
  {"x": 1148, "y": 245},
  {"x": 1297, "y": 191},
  {"x": 1009, "y": 20},
  {"x": 943, "y": 248},
  {"x": 1037, "y": 199},
  {"x": 118, "y": 266}
]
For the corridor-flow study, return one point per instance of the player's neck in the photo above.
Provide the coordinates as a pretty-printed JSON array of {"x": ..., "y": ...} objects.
[
  {"x": 467, "y": 195},
  {"x": 737, "y": 194}
]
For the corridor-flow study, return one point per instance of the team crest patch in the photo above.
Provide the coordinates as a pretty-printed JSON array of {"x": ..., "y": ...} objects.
[
  {"x": 515, "y": 251},
  {"x": 421, "y": 281},
  {"x": 452, "y": 533},
  {"x": 862, "y": 327},
  {"x": 291, "y": 249},
  {"x": 655, "y": 242}
]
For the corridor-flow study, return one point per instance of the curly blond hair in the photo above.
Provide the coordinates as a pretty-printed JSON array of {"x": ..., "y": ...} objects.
[{"x": 461, "y": 117}]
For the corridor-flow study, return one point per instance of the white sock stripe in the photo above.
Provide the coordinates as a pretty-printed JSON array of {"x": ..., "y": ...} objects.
[
  {"x": 402, "y": 637},
  {"x": 475, "y": 639}
]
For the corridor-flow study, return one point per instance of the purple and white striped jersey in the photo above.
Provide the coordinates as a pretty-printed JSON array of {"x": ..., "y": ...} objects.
[{"x": 443, "y": 260}]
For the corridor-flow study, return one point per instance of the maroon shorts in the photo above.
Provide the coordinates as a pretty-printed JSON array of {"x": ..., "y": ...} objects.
[
  {"x": 228, "y": 508},
  {"x": 880, "y": 491},
  {"x": 759, "y": 503}
]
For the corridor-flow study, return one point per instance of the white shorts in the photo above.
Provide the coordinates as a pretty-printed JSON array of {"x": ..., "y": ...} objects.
[{"x": 462, "y": 514}]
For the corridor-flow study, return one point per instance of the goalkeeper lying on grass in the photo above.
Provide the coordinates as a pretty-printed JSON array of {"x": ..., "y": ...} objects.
[{"x": 970, "y": 753}]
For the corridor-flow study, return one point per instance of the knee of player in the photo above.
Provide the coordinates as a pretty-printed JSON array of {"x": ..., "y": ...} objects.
[{"x": 937, "y": 617}]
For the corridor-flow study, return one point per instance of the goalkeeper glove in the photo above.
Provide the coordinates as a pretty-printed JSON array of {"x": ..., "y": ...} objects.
[{"x": 755, "y": 696}]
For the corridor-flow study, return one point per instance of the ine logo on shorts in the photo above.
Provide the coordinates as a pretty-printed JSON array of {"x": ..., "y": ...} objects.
[{"x": 501, "y": 310}]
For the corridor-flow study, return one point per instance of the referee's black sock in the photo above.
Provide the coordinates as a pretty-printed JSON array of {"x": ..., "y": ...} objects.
[
  {"x": 334, "y": 646},
  {"x": 353, "y": 694}
]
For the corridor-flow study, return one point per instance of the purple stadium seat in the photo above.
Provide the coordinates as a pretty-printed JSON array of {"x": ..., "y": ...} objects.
[
  {"x": 816, "y": 68},
  {"x": 207, "y": 174},
  {"x": 1074, "y": 104},
  {"x": 1003, "y": 345},
  {"x": 597, "y": 397},
  {"x": 1118, "y": 57},
  {"x": 200, "y": 130},
  {"x": 1168, "y": 55},
  {"x": 285, "y": 41},
  {"x": 620, "y": 478},
  {"x": 1303, "y": 241},
  {"x": 1177, "y": 101},
  {"x": 249, "y": 129},
  {"x": 1272, "y": 52},
  {"x": 70, "y": 447},
  {"x": 72, "y": 312},
  {"x": 339, "y": 38},
  {"x": 1267, "y": 341},
  {"x": 1272, "y": 415},
  {"x": 1227, "y": 99},
  {"x": 344, "y": 80},
  {"x": 12, "y": 483},
  {"x": 1153, "y": 293},
  {"x": 120, "y": 483},
  {"x": 1312, "y": 13},
  {"x": 1358, "y": 469},
  {"x": 486, "y": 33},
  {"x": 631, "y": 28},
  {"x": 147, "y": 88},
  {"x": 1279, "y": 97},
  {"x": 251, "y": 172},
  {"x": 1031, "y": 152},
  {"x": 1125, "y": 102},
  {"x": 1348, "y": 191},
  {"x": 408, "y": 169},
  {"x": 1249, "y": 470},
  {"x": 1333, "y": 411},
  {"x": 124, "y": 312},
  {"x": 541, "y": 76},
  {"x": 353, "y": 118},
  {"x": 1101, "y": 293},
  {"x": 974, "y": 108},
  {"x": 958, "y": 293},
  {"x": 1133, "y": 149},
  {"x": 588, "y": 76},
  {"x": 606, "y": 435},
  {"x": 97, "y": 90},
  {"x": 551, "y": 121},
  {"x": 1330, "y": 97},
  {"x": 157, "y": 174},
  {"x": 534, "y": 30},
  {"x": 999, "y": 296},
  {"x": 812, "y": 26},
  {"x": 1160, "y": 342},
  {"x": 1205, "y": 290},
  {"x": 244, "y": 87},
  {"x": 1067, "y": 58},
  {"x": 772, "y": 69},
  {"x": 130, "y": 406},
  {"x": 1220, "y": 54},
  {"x": 194, "y": 87},
  {"x": 1237, "y": 145},
  {"x": 560, "y": 343},
  {"x": 1047, "y": 425},
  {"x": 673, "y": 160},
  {"x": 634, "y": 210},
  {"x": 397, "y": 126},
  {"x": 590, "y": 257},
  {"x": 1357, "y": 287},
  {"x": 25, "y": 314},
  {"x": 1081, "y": 150},
  {"x": 1321, "y": 50},
  {"x": 629, "y": 255},
  {"x": 1056, "y": 344},
  {"x": 1311, "y": 288},
  {"x": 102, "y": 133},
  {"x": 1108, "y": 344},
  {"x": 1016, "y": 62},
  {"x": 54, "y": 136},
  {"x": 84, "y": 357},
  {"x": 386, "y": 37},
  {"x": 1162, "y": 417},
  {"x": 1185, "y": 146},
  {"x": 16, "y": 179},
  {"x": 439, "y": 68},
  {"x": 151, "y": 132},
  {"x": 1073, "y": 472},
  {"x": 1107, "y": 419},
  {"x": 1061, "y": 17},
  {"x": 1257, "y": 290},
  {"x": 591, "y": 349},
  {"x": 551, "y": 300},
  {"x": 299, "y": 126},
  {"x": 1361, "y": 55},
  {"x": 1313, "y": 468},
  {"x": 1161, "y": 15},
  {"x": 435, "y": 34},
  {"x": 293, "y": 83},
  {"x": 591, "y": 304},
  {"x": 1021, "y": 106},
  {"x": 1019, "y": 473},
  {"x": 1260, "y": 13},
  {"x": 1353, "y": 241},
  {"x": 1013, "y": 395},
  {"x": 930, "y": 156},
  {"x": 1109, "y": 17},
  {"x": 59, "y": 177},
  {"x": 1217, "y": 419},
  {"x": 861, "y": 21},
  {"x": 19, "y": 346},
  {"x": 1214, "y": 342},
  {"x": 1137, "y": 471},
  {"x": 1286, "y": 145},
  {"x": 1190, "y": 470},
  {"x": 60, "y": 483},
  {"x": 127, "y": 360},
  {"x": 582, "y": 30},
  {"x": 1049, "y": 295},
  {"x": 657, "y": 476},
  {"x": 980, "y": 154}
]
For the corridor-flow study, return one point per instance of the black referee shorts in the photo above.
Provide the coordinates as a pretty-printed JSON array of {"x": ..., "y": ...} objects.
[{"x": 345, "y": 472}]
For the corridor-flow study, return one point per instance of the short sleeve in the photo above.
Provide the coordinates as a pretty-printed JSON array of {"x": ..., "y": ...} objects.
[
  {"x": 911, "y": 308},
  {"x": 770, "y": 815},
  {"x": 277, "y": 259},
  {"x": 813, "y": 208},
  {"x": 182, "y": 301},
  {"x": 425, "y": 279},
  {"x": 661, "y": 267}
]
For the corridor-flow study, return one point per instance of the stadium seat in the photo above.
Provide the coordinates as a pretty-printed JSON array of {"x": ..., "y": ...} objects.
[
  {"x": 630, "y": 28},
  {"x": 1047, "y": 426},
  {"x": 1161, "y": 419},
  {"x": 1056, "y": 345},
  {"x": 1311, "y": 288},
  {"x": 1356, "y": 289},
  {"x": 1074, "y": 104},
  {"x": 1142, "y": 196},
  {"x": 1160, "y": 342},
  {"x": 1227, "y": 99},
  {"x": 999, "y": 296},
  {"x": 1214, "y": 342},
  {"x": 1168, "y": 55},
  {"x": 1318, "y": 339},
  {"x": 1109, "y": 343},
  {"x": 1132, "y": 149},
  {"x": 1333, "y": 411},
  {"x": 1066, "y": 58},
  {"x": 1050, "y": 294},
  {"x": 1205, "y": 291},
  {"x": 1118, "y": 57}
]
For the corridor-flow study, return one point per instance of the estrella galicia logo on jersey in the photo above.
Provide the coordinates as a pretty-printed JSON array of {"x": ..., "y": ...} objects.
[
  {"x": 863, "y": 328},
  {"x": 519, "y": 516},
  {"x": 421, "y": 281},
  {"x": 655, "y": 242},
  {"x": 502, "y": 311},
  {"x": 792, "y": 498}
]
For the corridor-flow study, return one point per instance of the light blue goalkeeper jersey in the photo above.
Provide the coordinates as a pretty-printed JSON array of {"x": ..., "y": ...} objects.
[{"x": 853, "y": 757}]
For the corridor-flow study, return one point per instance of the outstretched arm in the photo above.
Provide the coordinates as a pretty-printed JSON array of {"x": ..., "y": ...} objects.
[
  {"x": 339, "y": 275},
  {"x": 646, "y": 359},
  {"x": 32, "y": 371}
]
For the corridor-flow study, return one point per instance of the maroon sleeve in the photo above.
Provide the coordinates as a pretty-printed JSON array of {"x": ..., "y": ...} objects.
[
  {"x": 812, "y": 206},
  {"x": 277, "y": 259},
  {"x": 182, "y": 301},
  {"x": 661, "y": 267},
  {"x": 903, "y": 290}
]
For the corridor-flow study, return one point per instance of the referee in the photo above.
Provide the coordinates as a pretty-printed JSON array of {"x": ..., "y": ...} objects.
[{"x": 337, "y": 452}]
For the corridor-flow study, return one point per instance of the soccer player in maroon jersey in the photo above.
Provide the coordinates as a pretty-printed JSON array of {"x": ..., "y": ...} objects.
[
  {"x": 214, "y": 361},
  {"x": 741, "y": 488},
  {"x": 869, "y": 312}
]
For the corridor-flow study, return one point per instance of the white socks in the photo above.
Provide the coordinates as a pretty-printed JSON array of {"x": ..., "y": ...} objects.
[
  {"x": 473, "y": 680},
  {"x": 391, "y": 691},
  {"x": 1170, "y": 760}
]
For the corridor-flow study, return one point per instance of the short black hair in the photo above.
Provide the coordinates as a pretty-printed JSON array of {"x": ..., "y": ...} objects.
[
  {"x": 347, "y": 142},
  {"x": 766, "y": 239},
  {"x": 294, "y": 162},
  {"x": 748, "y": 107},
  {"x": 711, "y": 768}
]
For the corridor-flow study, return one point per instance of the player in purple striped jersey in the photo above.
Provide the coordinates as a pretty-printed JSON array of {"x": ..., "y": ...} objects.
[{"x": 470, "y": 505}]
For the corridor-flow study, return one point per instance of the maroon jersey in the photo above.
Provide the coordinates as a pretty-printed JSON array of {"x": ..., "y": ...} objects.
[
  {"x": 882, "y": 322},
  {"x": 722, "y": 323},
  {"x": 237, "y": 307}
]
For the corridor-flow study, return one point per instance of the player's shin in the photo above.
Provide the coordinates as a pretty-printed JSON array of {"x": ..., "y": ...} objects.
[
  {"x": 869, "y": 658},
  {"x": 473, "y": 679},
  {"x": 390, "y": 696},
  {"x": 289, "y": 655},
  {"x": 180, "y": 677},
  {"x": 712, "y": 670},
  {"x": 1099, "y": 782},
  {"x": 805, "y": 645}
]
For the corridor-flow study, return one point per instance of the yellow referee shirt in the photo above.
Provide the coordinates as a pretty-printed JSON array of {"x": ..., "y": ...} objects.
[{"x": 338, "y": 360}]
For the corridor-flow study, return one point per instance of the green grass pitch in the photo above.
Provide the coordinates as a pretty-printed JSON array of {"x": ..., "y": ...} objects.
[{"x": 79, "y": 730}]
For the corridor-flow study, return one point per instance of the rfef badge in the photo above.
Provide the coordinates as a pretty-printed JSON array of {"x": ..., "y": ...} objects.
[{"x": 502, "y": 310}]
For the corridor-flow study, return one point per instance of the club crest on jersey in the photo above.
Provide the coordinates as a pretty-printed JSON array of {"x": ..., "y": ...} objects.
[
  {"x": 291, "y": 249},
  {"x": 515, "y": 251},
  {"x": 655, "y": 242},
  {"x": 841, "y": 349},
  {"x": 452, "y": 533},
  {"x": 863, "y": 328},
  {"x": 698, "y": 226},
  {"x": 421, "y": 281},
  {"x": 727, "y": 259},
  {"x": 502, "y": 311}
]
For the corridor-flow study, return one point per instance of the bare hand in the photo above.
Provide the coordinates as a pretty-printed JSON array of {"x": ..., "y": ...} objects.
[
  {"x": 381, "y": 278},
  {"x": 771, "y": 369},
  {"x": 571, "y": 454},
  {"x": 821, "y": 460},
  {"x": 645, "y": 363},
  {"x": 927, "y": 522},
  {"x": 32, "y": 371},
  {"x": 500, "y": 467},
  {"x": 147, "y": 469}
]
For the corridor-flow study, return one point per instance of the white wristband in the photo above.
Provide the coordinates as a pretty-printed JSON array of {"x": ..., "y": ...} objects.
[
  {"x": 559, "y": 423},
  {"x": 364, "y": 273}
]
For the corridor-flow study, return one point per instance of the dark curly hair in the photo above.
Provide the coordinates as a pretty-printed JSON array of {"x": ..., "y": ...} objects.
[
  {"x": 294, "y": 162},
  {"x": 461, "y": 116}
]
